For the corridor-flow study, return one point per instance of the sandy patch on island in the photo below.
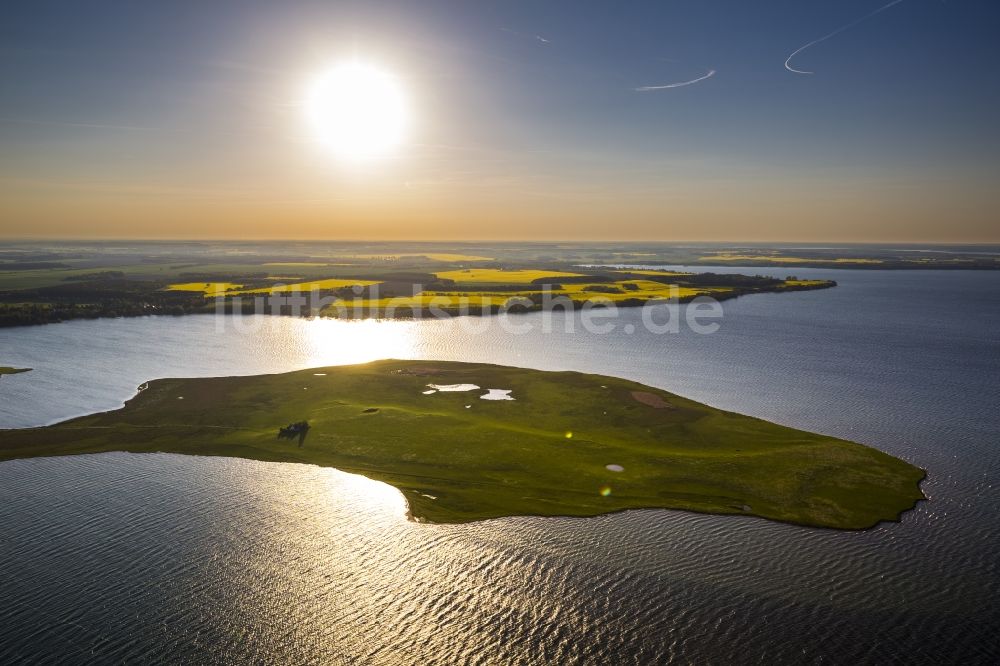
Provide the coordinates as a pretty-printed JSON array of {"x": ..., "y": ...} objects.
[{"x": 651, "y": 399}]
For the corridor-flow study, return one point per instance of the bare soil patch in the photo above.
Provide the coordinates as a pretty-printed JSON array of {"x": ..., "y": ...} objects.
[{"x": 651, "y": 399}]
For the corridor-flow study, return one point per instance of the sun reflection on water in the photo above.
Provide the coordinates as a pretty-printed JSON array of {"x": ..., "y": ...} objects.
[
  {"x": 376, "y": 497},
  {"x": 339, "y": 342}
]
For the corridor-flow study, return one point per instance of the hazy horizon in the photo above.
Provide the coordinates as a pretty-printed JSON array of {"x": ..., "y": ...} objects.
[{"x": 694, "y": 242}]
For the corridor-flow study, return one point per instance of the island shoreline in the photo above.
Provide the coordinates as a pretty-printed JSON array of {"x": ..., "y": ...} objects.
[{"x": 482, "y": 489}]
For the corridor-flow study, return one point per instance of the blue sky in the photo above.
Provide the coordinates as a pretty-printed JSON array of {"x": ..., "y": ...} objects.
[{"x": 527, "y": 114}]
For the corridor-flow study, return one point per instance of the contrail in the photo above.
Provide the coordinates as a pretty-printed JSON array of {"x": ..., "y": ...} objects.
[
  {"x": 679, "y": 84},
  {"x": 537, "y": 38},
  {"x": 836, "y": 32}
]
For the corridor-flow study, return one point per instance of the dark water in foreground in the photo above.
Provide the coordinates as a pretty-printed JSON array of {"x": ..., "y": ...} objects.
[{"x": 121, "y": 557}]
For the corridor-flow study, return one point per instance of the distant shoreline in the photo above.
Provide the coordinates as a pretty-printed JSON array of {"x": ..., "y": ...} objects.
[{"x": 382, "y": 294}]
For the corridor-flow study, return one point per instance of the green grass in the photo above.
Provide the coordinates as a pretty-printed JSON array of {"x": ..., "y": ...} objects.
[
  {"x": 50, "y": 277},
  {"x": 449, "y": 301},
  {"x": 213, "y": 289},
  {"x": 174, "y": 273},
  {"x": 329, "y": 283},
  {"x": 457, "y": 458},
  {"x": 445, "y": 257},
  {"x": 7, "y": 370}
]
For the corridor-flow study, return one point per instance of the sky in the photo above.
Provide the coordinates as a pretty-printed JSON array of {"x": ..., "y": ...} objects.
[{"x": 675, "y": 120}]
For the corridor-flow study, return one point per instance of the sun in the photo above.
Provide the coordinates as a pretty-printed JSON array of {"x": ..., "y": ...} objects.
[{"x": 358, "y": 111}]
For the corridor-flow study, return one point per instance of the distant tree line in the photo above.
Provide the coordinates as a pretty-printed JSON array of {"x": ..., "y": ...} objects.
[{"x": 96, "y": 298}]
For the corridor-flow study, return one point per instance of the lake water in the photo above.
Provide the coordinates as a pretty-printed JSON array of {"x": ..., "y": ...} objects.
[{"x": 123, "y": 557}]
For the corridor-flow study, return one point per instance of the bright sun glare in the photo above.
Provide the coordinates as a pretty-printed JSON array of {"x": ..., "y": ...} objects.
[{"x": 358, "y": 111}]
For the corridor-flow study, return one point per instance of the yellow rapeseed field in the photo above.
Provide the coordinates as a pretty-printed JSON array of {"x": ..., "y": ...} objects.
[{"x": 494, "y": 276}]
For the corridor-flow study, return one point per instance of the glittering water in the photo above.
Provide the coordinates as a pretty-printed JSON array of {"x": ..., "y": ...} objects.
[{"x": 124, "y": 557}]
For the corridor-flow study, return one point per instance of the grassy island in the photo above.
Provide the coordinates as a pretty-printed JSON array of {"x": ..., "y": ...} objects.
[
  {"x": 7, "y": 370},
  {"x": 545, "y": 443}
]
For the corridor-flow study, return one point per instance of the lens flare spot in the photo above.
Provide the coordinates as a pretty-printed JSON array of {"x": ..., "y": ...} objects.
[
  {"x": 605, "y": 491},
  {"x": 569, "y": 435}
]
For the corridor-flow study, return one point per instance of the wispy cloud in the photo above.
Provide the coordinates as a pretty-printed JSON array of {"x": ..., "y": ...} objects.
[
  {"x": 537, "y": 38},
  {"x": 788, "y": 60},
  {"x": 53, "y": 123},
  {"x": 679, "y": 84}
]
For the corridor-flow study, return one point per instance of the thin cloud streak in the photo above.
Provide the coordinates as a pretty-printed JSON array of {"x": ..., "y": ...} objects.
[
  {"x": 836, "y": 32},
  {"x": 537, "y": 38},
  {"x": 53, "y": 123},
  {"x": 679, "y": 84}
]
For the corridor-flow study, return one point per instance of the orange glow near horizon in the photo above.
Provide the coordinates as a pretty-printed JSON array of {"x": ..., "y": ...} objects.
[{"x": 388, "y": 207}]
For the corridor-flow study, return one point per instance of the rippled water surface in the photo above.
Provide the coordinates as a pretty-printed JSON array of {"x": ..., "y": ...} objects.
[{"x": 123, "y": 557}]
